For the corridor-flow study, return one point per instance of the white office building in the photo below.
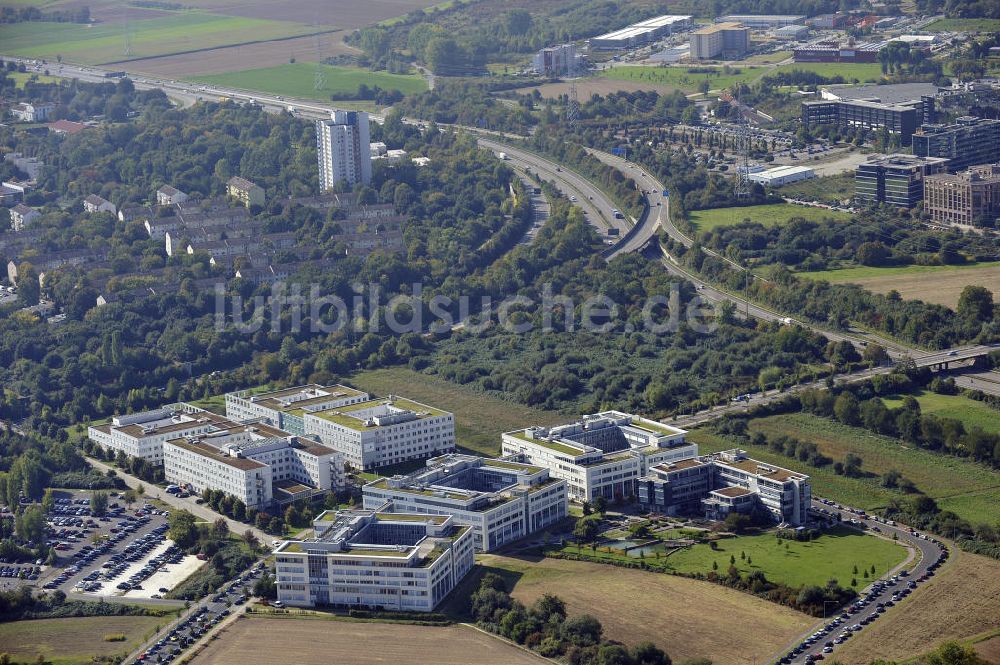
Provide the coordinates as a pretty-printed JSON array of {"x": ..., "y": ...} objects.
[
  {"x": 382, "y": 432},
  {"x": 603, "y": 454},
  {"x": 285, "y": 409},
  {"x": 258, "y": 464},
  {"x": 365, "y": 559},
  {"x": 142, "y": 434},
  {"x": 501, "y": 500},
  {"x": 343, "y": 149},
  {"x": 557, "y": 60}
]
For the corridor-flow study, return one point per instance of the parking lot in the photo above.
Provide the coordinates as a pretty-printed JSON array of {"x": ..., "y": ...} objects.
[
  {"x": 124, "y": 552},
  {"x": 171, "y": 644}
]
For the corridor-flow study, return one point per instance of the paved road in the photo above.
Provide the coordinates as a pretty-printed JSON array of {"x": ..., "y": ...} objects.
[
  {"x": 929, "y": 553},
  {"x": 657, "y": 205},
  {"x": 188, "y": 504},
  {"x": 595, "y": 204}
]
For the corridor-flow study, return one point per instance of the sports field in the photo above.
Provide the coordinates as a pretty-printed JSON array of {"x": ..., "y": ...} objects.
[
  {"x": 74, "y": 641},
  {"x": 172, "y": 33},
  {"x": 969, "y": 489},
  {"x": 959, "y": 603},
  {"x": 832, "y": 556},
  {"x": 969, "y": 411},
  {"x": 773, "y": 214},
  {"x": 298, "y": 80},
  {"x": 272, "y": 641},
  {"x": 687, "y": 618},
  {"x": 941, "y": 285},
  {"x": 479, "y": 419}
]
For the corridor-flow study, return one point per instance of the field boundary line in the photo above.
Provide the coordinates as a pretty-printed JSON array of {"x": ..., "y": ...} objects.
[
  {"x": 216, "y": 48},
  {"x": 510, "y": 642}
]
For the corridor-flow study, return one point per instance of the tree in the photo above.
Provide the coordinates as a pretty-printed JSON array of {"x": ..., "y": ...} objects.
[
  {"x": 220, "y": 528},
  {"x": 975, "y": 303},
  {"x": 48, "y": 500},
  {"x": 600, "y": 504},
  {"x": 29, "y": 525},
  {"x": 99, "y": 503},
  {"x": 586, "y": 528},
  {"x": 872, "y": 254},
  {"x": 549, "y": 606},
  {"x": 846, "y": 409},
  {"x": 582, "y": 630},
  {"x": 251, "y": 540},
  {"x": 852, "y": 465},
  {"x": 183, "y": 529},
  {"x": 265, "y": 587}
]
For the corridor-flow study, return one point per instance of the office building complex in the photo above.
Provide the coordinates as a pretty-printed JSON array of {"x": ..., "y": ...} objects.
[
  {"x": 501, "y": 500},
  {"x": 966, "y": 142},
  {"x": 728, "y": 40},
  {"x": 285, "y": 409},
  {"x": 364, "y": 559},
  {"x": 383, "y": 432},
  {"x": 724, "y": 483},
  {"x": 557, "y": 60},
  {"x": 896, "y": 180},
  {"x": 640, "y": 33},
  {"x": 601, "y": 454},
  {"x": 142, "y": 435},
  {"x": 256, "y": 463},
  {"x": 970, "y": 197},
  {"x": 898, "y": 119},
  {"x": 343, "y": 149}
]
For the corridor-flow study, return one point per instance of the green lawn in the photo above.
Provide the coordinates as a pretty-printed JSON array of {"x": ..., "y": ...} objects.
[
  {"x": 479, "y": 419},
  {"x": 680, "y": 77},
  {"x": 867, "y": 272},
  {"x": 102, "y": 43},
  {"x": 21, "y": 78},
  {"x": 969, "y": 489},
  {"x": 75, "y": 641},
  {"x": 969, "y": 411},
  {"x": 298, "y": 80},
  {"x": 832, "y": 556},
  {"x": 768, "y": 215},
  {"x": 825, "y": 189},
  {"x": 964, "y": 25}
]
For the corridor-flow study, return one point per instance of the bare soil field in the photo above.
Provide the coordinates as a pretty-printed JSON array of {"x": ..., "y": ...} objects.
[
  {"x": 685, "y": 617},
  {"x": 342, "y": 13},
  {"x": 234, "y": 58},
  {"x": 591, "y": 86},
  {"x": 961, "y": 602},
  {"x": 281, "y": 641}
]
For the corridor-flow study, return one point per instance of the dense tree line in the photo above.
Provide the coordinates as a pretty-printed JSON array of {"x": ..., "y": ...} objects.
[
  {"x": 960, "y": 8},
  {"x": 226, "y": 556},
  {"x": 24, "y": 14},
  {"x": 467, "y": 103}
]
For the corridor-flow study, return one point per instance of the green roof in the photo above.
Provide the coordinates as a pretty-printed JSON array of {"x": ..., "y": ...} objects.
[
  {"x": 656, "y": 427},
  {"x": 515, "y": 466},
  {"x": 382, "y": 485},
  {"x": 546, "y": 443},
  {"x": 341, "y": 414},
  {"x": 363, "y": 552}
]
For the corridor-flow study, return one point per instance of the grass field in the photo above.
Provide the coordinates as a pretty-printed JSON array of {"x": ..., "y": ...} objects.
[
  {"x": 833, "y": 556},
  {"x": 969, "y": 489},
  {"x": 74, "y": 641},
  {"x": 687, "y": 618},
  {"x": 680, "y": 77},
  {"x": 773, "y": 214},
  {"x": 479, "y": 419},
  {"x": 941, "y": 285},
  {"x": 960, "y": 603},
  {"x": 102, "y": 43},
  {"x": 825, "y": 189},
  {"x": 969, "y": 411},
  {"x": 264, "y": 641},
  {"x": 21, "y": 78},
  {"x": 297, "y": 80},
  {"x": 964, "y": 25}
]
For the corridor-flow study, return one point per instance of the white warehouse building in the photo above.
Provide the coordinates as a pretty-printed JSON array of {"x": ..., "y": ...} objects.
[
  {"x": 360, "y": 558},
  {"x": 501, "y": 500},
  {"x": 603, "y": 454},
  {"x": 382, "y": 432},
  {"x": 258, "y": 464},
  {"x": 142, "y": 434},
  {"x": 781, "y": 175}
]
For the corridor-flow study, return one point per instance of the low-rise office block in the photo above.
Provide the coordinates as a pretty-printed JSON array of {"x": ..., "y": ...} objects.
[
  {"x": 365, "y": 559},
  {"x": 142, "y": 434},
  {"x": 285, "y": 409},
  {"x": 501, "y": 500}
]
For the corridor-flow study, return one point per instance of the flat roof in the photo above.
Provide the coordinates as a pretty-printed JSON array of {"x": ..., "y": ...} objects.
[
  {"x": 719, "y": 27},
  {"x": 213, "y": 453},
  {"x": 762, "y": 469},
  {"x": 680, "y": 465},
  {"x": 894, "y": 93},
  {"x": 660, "y": 21},
  {"x": 202, "y": 417},
  {"x": 733, "y": 491}
]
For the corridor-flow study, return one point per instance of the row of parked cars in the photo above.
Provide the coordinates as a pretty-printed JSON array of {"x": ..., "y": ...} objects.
[
  {"x": 870, "y": 602},
  {"x": 27, "y": 572},
  {"x": 88, "y": 554}
]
